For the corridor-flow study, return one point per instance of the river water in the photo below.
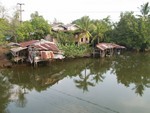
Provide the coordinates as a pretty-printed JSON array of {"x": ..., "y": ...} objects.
[{"x": 118, "y": 84}]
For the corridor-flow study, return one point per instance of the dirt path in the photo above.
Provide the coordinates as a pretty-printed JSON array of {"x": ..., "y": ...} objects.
[{"x": 4, "y": 62}]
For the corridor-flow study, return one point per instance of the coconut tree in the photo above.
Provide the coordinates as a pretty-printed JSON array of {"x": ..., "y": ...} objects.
[
  {"x": 100, "y": 27},
  {"x": 84, "y": 81},
  {"x": 144, "y": 24},
  {"x": 85, "y": 25},
  {"x": 144, "y": 9}
]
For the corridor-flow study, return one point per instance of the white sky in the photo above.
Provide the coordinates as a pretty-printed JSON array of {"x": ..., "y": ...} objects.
[{"x": 68, "y": 10}]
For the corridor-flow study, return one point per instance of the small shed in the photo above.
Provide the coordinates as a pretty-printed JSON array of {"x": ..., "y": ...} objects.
[
  {"x": 43, "y": 51},
  {"x": 19, "y": 54},
  {"x": 108, "y": 49}
]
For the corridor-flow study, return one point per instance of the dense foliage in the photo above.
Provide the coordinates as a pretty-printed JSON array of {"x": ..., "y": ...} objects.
[
  {"x": 131, "y": 30},
  {"x": 36, "y": 28},
  {"x": 73, "y": 51},
  {"x": 4, "y": 27}
]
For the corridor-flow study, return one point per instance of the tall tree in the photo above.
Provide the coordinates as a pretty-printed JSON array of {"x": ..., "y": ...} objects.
[
  {"x": 14, "y": 24},
  {"x": 3, "y": 12},
  {"x": 85, "y": 25},
  {"x": 25, "y": 31},
  {"x": 126, "y": 31},
  {"x": 100, "y": 28},
  {"x": 4, "y": 28},
  {"x": 40, "y": 26},
  {"x": 145, "y": 9},
  {"x": 132, "y": 32},
  {"x": 4, "y": 24}
]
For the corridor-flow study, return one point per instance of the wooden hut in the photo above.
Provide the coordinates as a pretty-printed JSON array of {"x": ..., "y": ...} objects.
[
  {"x": 19, "y": 51},
  {"x": 108, "y": 49},
  {"x": 35, "y": 51},
  {"x": 43, "y": 51},
  {"x": 18, "y": 54}
]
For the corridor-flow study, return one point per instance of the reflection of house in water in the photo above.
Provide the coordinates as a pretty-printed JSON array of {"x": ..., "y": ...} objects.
[
  {"x": 36, "y": 51},
  {"x": 50, "y": 79},
  {"x": 107, "y": 49}
]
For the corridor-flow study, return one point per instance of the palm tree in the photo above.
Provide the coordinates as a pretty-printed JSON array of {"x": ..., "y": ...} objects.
[
  {"x": 97, "y": 33},
  {"x": 100, "y": 28},
  {"x": 85, "y": 24},
  {"x": 144, "y": 9},
  {"x": 84, "y": 80}
]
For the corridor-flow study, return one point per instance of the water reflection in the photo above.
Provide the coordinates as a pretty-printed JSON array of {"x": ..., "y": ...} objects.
[
  {"x": 84, "y": 82},
  {"x": 4, "y": 93},
  {"x": 133, "y": 69},
  {"x": 92, "y": 73},
  {"x": 16, "y": 82}
]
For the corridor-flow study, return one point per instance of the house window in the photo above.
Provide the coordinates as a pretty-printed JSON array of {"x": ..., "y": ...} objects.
[
  {"x": 81, "y": 39},
  {"x": 86, "y": 39}
]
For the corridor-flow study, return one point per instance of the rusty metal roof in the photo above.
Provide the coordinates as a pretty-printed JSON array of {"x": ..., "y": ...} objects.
[
  {"x": 104, "y": 46},
  {"x": 17, "y": 49},
  {"x": 45, "y": 45},
  {"x": 28, "y": 43},
  {"x": 41, "y": 45}
]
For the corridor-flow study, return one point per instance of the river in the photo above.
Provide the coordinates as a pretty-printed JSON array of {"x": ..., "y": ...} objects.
[{"x": 118, "y": 84}]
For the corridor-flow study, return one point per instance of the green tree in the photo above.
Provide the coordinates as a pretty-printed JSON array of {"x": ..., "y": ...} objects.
[
  {"x": 100, "y": 29},
  {"x": 3, "y": 12},
  {"x": 84, "y": 81},
  {"x": 85, "y": 26},
  {"x": 4, "y": 24},
  {"x": 126, "y": 31},
  {"x": 144, "y": 9},
  {"x": 40, "y": 26},
  {"x": 14, "y": 24},
  {"x": 25, "y": 31},
  {"x": 64, "y": 37},
  {"x": 144, "y": 24},
  {"x": 4, "y": 93},
  {"x": 4, "y": 28},
  {"x": 144, "y": 34}
]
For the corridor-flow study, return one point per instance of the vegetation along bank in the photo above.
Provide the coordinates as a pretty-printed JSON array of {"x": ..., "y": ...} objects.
[{"x": 80, "y": 37}]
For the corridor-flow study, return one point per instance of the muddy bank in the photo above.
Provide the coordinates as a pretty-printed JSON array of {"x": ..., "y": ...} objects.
[{"x": 4, "y": 62}]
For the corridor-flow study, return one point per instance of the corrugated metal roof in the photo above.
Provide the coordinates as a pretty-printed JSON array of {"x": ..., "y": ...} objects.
[
  {"x": 28, "y": 43},
  {"x": 45, "y": 45},
  {"x": 104, "y": 46},
  {"x": 17, "y": 49},
  {"x": 41, "y": 45}
]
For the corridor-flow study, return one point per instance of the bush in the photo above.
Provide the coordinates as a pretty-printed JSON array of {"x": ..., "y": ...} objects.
[{"x": 72, "y": 50}]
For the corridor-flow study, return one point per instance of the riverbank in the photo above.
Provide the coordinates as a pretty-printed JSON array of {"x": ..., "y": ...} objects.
[{"x": 4, "y": 62}]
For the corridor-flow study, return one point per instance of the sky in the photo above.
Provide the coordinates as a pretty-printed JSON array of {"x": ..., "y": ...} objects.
[{"x": 67, "y": 11}]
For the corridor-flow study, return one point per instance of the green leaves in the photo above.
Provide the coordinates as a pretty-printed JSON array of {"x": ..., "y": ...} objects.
[
  {"x": 144, "y": 9},
  {"x": 36, "y": 28},
  {"x": 132, "y": 32},
  {"x": 40, "y": 26},
  {"x": 24, "y": 31},
  {"x": 72, "y": 50},
  {"x": 4, "y": 28},
  {"x": 85, "y": 25},
  {"x": 101, "y": 27}
]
